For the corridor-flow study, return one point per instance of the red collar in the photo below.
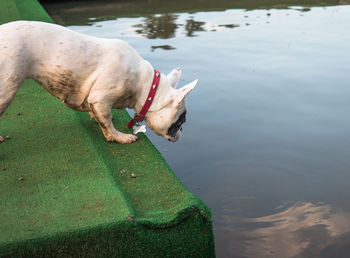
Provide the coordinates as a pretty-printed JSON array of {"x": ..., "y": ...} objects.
[{"x": 138, "y": 117}]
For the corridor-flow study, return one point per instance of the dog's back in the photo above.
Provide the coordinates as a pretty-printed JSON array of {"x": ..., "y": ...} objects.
[
  {"x": 60, "y": 60},
  {"x": 64, "y": 62}
]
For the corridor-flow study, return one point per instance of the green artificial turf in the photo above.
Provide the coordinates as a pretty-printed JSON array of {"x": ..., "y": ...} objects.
[{"x": 66, "y": 192}]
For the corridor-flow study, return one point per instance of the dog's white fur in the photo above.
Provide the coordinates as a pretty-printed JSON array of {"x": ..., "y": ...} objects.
[{"x": 87, "y": 74}]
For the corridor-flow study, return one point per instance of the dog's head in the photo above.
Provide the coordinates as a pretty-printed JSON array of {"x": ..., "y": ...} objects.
[{"x": 168, "y": 111}]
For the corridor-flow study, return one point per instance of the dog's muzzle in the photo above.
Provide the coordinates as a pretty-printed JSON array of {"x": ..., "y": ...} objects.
[{"x": 173, "y": 138}]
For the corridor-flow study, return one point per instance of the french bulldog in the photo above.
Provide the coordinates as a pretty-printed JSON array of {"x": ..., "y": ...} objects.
[{"x": 89, "y": 74}]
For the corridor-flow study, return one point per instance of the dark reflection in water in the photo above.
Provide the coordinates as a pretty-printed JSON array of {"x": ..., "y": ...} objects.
[
  {"x": 230, "y": 26},
  {"x": 78, "y": 12},
  {"x": 158, "y": 26},
  {"x": 193, "y": 26},
  {"x": 164, "y": 27},
  {"x": 164, "y": 47},
  {"x": 267, "y": 142}
]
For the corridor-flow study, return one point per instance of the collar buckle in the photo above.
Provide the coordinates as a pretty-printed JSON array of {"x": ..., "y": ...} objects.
[{"x": 138, "y": 118}]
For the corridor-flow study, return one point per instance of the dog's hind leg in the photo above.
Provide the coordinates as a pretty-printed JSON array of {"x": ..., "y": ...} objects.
[{"x": 9, "y": 85}]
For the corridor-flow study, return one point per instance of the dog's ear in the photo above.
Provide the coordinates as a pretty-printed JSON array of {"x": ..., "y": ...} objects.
[
  {"x": 174, "y": 77},
  {"x": 182, "y": 93}
]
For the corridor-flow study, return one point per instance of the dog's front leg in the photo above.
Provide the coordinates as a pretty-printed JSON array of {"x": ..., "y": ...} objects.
[
  {"x": 103, "y": 115},
  {"x": 92, "y": 116}
]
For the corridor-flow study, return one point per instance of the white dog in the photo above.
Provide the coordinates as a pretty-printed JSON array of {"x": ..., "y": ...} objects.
[{"x": 89, "y": 74}]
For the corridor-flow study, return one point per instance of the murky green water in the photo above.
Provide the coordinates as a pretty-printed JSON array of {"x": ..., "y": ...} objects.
[{"x": 267, "y": 142}]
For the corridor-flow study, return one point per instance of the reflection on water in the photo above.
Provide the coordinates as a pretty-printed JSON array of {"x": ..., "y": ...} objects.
[
  {"x": 231, "y": 26},
  {"x": 301, "y": 230},
  {"x": 78, "y": 12},
  {"x": 164, "y": 47},
  {"x": 164, "y": 27},
  {"x": 193, "y": 26},
  {"x": 268, "y": 123},
  {"x": 158, "y": 26}
]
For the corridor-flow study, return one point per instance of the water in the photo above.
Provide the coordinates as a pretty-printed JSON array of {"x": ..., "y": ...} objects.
[{"x": 267, "y": 139}]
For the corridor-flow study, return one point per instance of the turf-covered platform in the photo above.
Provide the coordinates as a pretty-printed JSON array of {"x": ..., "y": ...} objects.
[{"x": 66, "y": 192}]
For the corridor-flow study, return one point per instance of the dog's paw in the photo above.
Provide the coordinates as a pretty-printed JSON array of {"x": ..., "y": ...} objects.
[
  {"x": 128, "y": 138},
  {"x": 92, "y": 116},
  {"x": 122, "y": 138}
]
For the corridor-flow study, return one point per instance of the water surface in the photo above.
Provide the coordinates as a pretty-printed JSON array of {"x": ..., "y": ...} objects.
[{"x": 267, "y": 139}]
